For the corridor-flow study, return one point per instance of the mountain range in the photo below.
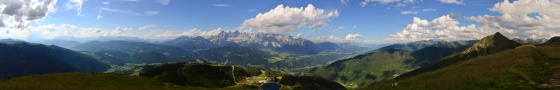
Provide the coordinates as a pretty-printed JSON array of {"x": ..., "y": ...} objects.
[{"x": 276, "y": 42}]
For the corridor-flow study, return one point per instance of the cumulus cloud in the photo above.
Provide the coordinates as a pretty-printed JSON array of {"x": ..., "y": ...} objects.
[
  {"x": 222, "y": 5},
  {"x": 99, "y": 17},
  {"x": 163, "y": 2},
  {"x": 164, "y": 34},
  {"x": 19, "y": 13},
  {"x": 399, "y": 2},
  {"x": 352, "y": 36},
  {"x": 452, "y": 1},
  {"x": 198, "y": 32},
  {"x": 147, "y": 26},
  {"x": 516, "y": 22},
  {"x": 442, "y": 28},
  {"x": 409, "y": 12},
  {"x": 75, "y": 4},
  {"x": 51, "y": 31},
  {"x": 150, "y": 13},
  {"x": 287, "y": 19},
  {"x": 454, "y": 16}
]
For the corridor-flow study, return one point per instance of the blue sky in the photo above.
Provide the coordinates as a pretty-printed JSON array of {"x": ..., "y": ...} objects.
[{"x": 361, "y": 21}]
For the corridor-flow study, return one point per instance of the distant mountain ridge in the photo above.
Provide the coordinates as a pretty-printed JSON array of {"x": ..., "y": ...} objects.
[
  {"x": 414, "y": 46},
  {"x": 132, "y": 48}
]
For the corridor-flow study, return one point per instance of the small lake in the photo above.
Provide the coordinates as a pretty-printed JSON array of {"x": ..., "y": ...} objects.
[{"x": 271, "y": 86}]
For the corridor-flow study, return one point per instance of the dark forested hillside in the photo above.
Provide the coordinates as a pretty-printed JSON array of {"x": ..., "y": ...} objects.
[{"x": 18, "y": 59}]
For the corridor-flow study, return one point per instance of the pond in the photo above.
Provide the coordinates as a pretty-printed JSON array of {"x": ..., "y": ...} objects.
[{"x": 271, "y": 86}]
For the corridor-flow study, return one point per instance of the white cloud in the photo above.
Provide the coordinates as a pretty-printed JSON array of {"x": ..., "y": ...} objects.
[
  {"x": 51, "y": 31},
  {"x": 344, "y": 1},
  {"x": 252, "y": 10},
  {"x": 287, "y": 19},
  {"x": 330, "y": 38},
  {"x": 460, "y": 2},
  {"x": 516, "y": 22},
  {"x": 297, "y": 35},
  {"x": 114, "y": 10},
  {"x": 352, "y": 36},
  {"x": 429, "y": 10},
  {"x": 163, "y": 34},
  {"x": 222, "y": 5},
  {"x": 147, "y": 26},
  {"x": 163, "y": 2},
  {"x": 198, "y": 32},
  {"x": 454, "y": 16},
  {"x": 409, "y": 12},
  {"x": 75, "y": 4},
  {"x": 442, "y": 28},
  {"x": 339, "y": 28},
  {"x": 150, "y": 13},
  {"x": 99, "y": 17},
  {"x": 19, "y": 13},
  {"x": 398, "y": 2},
  {"x": 105, "y": 3}
]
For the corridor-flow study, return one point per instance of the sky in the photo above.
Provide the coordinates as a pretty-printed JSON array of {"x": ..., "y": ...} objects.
[{"x": 356, "y": 21}]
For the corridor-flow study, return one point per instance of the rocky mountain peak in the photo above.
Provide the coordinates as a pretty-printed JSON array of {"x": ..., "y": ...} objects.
[{"x": 491, "y": 44}]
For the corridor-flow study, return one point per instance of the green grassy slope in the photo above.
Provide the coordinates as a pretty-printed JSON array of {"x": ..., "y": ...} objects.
[
  {"x": 365, "y": 69},
  {"x": 486, "y": 46},
  {"x": 522, "y": 68},
  {"x": 379, "y": 66}
]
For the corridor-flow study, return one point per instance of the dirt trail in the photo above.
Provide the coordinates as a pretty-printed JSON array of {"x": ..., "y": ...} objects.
[{"x": 233, "y": 74}]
